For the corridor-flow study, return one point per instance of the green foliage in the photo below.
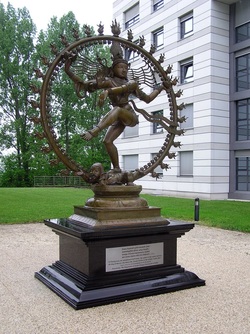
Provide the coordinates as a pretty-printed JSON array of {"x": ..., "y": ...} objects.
[
  {"x": 13, "y": 176},
  {"x": 70, "y": 115},
  {"x": 20, "y": 54},
  {"x": 17, "y": 32}
]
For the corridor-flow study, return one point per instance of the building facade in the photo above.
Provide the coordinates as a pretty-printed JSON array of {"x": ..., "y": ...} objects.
[{"x": 207, "y": 42}]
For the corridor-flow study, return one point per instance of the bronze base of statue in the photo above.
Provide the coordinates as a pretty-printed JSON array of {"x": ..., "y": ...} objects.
[
  {"x": 116, "y": 206},
  {"x": 116, "y": 248}
]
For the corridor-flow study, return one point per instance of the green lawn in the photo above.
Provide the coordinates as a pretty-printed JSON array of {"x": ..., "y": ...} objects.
[
  {"x": 227, "y": 214},
  {"x": 18, "y": 205},
  {"x": 21, "y": 205}
]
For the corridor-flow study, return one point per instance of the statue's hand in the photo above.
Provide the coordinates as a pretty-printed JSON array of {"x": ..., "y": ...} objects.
[
  {"x": 69, "y": 59},
  {"x": 102, "y": 98},
  {"x": 100, "y": 78},
  {"x": 160, "y": 88},
  {"x": 132, "y": 86}
]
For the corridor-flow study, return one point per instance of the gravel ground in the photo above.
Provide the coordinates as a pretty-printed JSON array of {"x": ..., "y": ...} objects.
[{"x": 220, "y": 257}]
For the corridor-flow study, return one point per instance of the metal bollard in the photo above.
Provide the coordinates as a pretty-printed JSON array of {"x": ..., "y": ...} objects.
[{"x": 196, "y": 209}]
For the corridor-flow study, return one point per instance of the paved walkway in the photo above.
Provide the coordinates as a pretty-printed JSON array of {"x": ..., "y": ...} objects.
[{"x": 220, "y": 257}]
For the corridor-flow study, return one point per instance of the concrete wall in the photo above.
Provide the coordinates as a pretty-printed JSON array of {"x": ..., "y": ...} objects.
[{"x": 208, "y": 92}]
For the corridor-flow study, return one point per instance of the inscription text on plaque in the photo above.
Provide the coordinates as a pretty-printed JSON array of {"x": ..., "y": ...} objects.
[{"x": 129, "y": 257}]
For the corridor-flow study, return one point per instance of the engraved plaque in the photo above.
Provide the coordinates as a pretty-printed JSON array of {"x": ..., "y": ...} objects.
[{"x": 137, "y": 256}]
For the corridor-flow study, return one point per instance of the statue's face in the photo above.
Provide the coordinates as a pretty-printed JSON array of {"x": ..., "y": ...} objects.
[
  {"x": 121, "y": 70},
  {"x": 95, "y": 172}
]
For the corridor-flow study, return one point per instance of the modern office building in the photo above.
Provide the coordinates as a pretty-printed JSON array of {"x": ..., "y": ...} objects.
[{"x": 208, "y": 44}]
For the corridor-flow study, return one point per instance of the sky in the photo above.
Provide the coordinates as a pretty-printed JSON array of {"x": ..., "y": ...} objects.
[{"x": 89, "y": 12}]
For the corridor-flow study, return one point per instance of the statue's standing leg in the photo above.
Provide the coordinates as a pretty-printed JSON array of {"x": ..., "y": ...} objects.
[
  {"x": 113, "y": 132},
  {"x": 117, "y": 119}
]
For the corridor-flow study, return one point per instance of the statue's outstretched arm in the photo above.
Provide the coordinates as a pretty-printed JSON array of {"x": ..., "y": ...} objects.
[
  {"x": 149, "y": 97},
  {"x": 80, "y": 85}
]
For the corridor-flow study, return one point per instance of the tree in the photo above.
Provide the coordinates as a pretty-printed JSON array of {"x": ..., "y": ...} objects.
[
  {"x": 17, "y": 32},
  {"x": 70, "y": 115},
  {"x": 20, "y": 54}
]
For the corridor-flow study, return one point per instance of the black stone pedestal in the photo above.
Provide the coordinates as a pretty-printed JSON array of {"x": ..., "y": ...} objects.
[{"x": 102, "y": 266}]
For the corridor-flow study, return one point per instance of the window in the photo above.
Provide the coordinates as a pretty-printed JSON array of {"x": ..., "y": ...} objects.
[
  {"x": 243, "y": 72},
  {"x": 157, "y": 4},
  {"x": 131, "y": 16},
  {"x": 130, "y": 162},
  {"x": 243, "y": 120},
  {"x": 188, "y": 113},
  {"x": 242, "y": 24},
  {"x": 243, "y": 173},
  {"x": 157, "y": 128},
  {"x": 186, "y": 25},
  {"x": 158, "y": 40},
  {"x": 186, "y": 163},
  {"x": 156, "y": 80},
  {"x": 186, "y": 68},
  {"x": 131, "y": 55},
  {"x": 242, "y": 32},
  {"x": 131, "y": 131}
]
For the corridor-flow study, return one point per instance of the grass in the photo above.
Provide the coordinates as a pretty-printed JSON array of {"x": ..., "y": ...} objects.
[
  {"x": 226, "y": 214},
  {"x": 23, "y": 205},
  {"x": 19, "y": 205}
]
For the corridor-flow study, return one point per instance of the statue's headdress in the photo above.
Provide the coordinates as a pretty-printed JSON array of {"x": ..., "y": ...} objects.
[
  {"x": 116, "y": 49},
  {"x": 117, "y": 54}
]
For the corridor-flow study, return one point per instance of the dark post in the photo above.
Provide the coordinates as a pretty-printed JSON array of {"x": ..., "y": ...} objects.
[{"x": 196, "y": 209}]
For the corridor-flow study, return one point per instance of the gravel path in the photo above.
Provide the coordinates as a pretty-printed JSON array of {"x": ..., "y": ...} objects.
[{"x": 220, "y": 257}]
